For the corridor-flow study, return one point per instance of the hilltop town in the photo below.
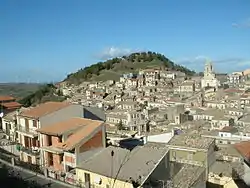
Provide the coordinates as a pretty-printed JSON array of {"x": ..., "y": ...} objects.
[{"x": 155, "y": 127}]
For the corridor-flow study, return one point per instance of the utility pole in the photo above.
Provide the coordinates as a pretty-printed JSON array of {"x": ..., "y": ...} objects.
[{"x": 112, "y": 156}]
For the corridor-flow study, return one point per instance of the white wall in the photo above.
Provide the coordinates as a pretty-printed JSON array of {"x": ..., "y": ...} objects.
[
  {"x": 31, "y": 128},
  {"x": 160, "y": 138}
]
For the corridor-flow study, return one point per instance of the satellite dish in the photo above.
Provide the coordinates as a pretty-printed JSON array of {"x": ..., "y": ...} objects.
[{"x": 1, "y": 114}]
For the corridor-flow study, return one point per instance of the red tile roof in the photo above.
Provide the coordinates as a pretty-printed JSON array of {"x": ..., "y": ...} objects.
[
  {"x": 44, "y": 109},
  {"x": 243, "y": 148},
  {"x": 245, "y": 95},
  {"x": 6, "y": 98},
  {"x": 232, "y": 90},
  {"x": 80, "y": 135},
  {"x": 11, "y": 105},
  {"x": 59, "y": 128},
  {"x": 228, "y": 129}
]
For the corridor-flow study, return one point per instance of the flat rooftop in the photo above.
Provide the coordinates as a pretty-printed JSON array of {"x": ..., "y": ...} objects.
[
  {"x": 227, "y": 151},
  {"x": 225, "y": 169},
  {"x": 138, "y": 163},
  {"x": 191, "y": 141}
]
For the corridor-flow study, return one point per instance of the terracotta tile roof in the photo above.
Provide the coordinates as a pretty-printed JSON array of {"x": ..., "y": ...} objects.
[
  {"x": 243, "y": 148},
  {"x": 44, "y": 109},
  {"x": 244, "y": 96},
  {"x": 229, "y": 129},
  {"x": 6, "y": 98},
  {"x": 59, "y": 128},
  {"x": 77, "y": 137},
  {"x": 233, "y": 90},
  {"x": 11, "y": 105}
]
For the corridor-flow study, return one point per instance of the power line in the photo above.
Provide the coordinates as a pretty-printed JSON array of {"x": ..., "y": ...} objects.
[{"x": 119, "y": 169}]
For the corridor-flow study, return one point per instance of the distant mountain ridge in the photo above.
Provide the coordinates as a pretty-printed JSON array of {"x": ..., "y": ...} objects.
[{"x": 113, "y": 68}]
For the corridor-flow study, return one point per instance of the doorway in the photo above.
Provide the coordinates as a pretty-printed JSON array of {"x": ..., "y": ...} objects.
[
  {"x": 87, "y": 180},
  {"x": 29, "y": 159}
]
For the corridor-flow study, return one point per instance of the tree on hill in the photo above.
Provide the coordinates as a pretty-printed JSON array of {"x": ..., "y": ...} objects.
[{"x": 135, "y": 58}]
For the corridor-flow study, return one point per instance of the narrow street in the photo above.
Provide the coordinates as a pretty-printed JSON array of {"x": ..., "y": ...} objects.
[{"x": 31, "y": 177}]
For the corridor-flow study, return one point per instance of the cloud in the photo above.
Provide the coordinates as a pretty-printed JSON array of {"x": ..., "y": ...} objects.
[
  {"x": 221, "y": 65},
  {"x": 242, "y": 24},
  {"x": 113, "y": 52}
]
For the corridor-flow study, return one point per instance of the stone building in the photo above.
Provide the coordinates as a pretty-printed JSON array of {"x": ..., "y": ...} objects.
[{"x": 209, "y": 79}]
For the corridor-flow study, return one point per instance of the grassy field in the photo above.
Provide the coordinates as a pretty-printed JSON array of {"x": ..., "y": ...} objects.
[{"x": 18, "y": 90}]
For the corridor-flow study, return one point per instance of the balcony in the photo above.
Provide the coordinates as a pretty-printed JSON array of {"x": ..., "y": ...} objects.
[
  {"x": 27, "y": 131},
  {"x": 30, "y": 151}
]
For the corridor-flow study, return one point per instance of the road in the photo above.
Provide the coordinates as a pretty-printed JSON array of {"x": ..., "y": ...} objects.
[{"x": 42, "y": 181}]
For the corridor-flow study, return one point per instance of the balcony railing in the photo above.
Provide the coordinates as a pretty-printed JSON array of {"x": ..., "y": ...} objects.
[
  {"x": 30, "y": 151},
  {"x": 26, "y": 130}
]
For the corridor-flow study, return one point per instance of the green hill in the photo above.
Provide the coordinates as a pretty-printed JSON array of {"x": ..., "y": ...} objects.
[{"x": 113, "y": 68}]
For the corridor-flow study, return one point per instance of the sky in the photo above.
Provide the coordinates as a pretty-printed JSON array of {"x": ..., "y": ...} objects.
[{"x": 44, "y": 40}]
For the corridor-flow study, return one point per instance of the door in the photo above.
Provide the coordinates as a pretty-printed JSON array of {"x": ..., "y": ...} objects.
[
  {"x": 87, "y": 180},
  {"x": 26, "y": 125},
  {"x": 8, "y": 127},
  {"x": 26, "y": 141},
  {"x": 29, "y": 160}
]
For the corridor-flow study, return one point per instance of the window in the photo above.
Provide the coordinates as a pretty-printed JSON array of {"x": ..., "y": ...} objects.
[
  {"x": 26, "y": 122},
  {"x": 50, "y": 159},
  {"x": 61, "y": 158},
  {"x": 60, "y": 138},
  {"x": 174, "y": 154},
  {"x": 49, "y": 140},
  {"x": 34, "y": 123}
]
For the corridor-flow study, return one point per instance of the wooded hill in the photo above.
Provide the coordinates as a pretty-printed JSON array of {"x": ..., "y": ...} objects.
[
  {"x": 113, "y": 68},
  {"x": 102, "y": 71}
]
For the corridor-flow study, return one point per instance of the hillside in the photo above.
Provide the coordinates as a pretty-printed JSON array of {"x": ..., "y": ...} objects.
[
  {"x": 18, "y": 90},
  {"x": 113, "y": 68},
  {"x": 45, "y": 93}
]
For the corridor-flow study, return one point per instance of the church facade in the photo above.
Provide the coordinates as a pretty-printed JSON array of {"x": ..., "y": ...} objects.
[{"x": 209, "y": 79}]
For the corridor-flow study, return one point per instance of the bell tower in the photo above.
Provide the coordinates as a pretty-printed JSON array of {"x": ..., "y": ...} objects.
[{"x": 208, "y": 72}]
